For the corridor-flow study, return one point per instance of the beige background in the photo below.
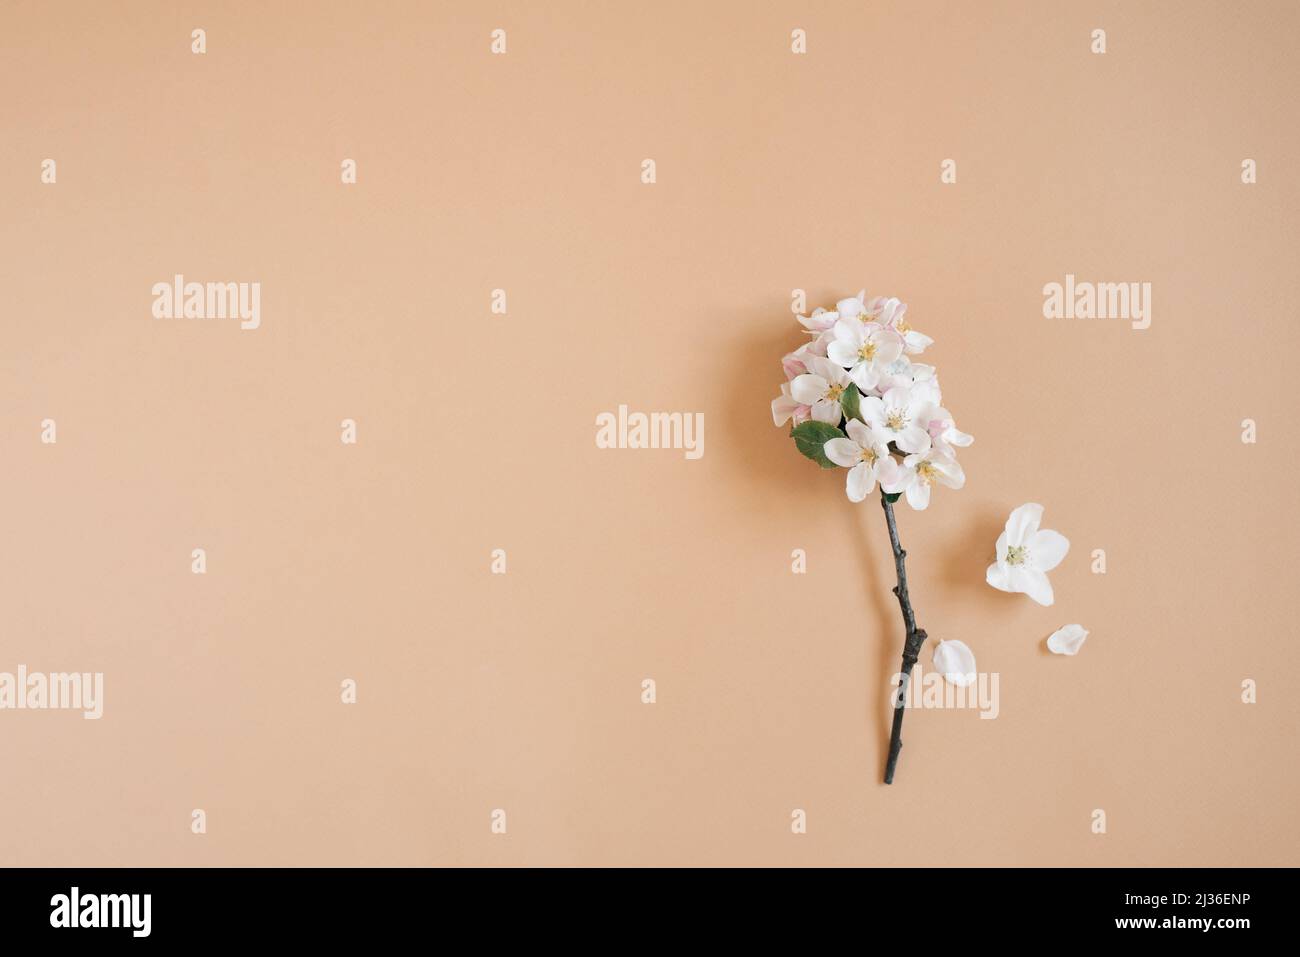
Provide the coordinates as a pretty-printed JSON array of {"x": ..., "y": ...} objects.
[{"x": 521, "y": 171}]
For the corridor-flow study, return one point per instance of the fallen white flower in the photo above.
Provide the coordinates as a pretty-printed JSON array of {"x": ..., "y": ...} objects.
[
  {"x": 1067, "y": 640},
  {"x": 1025, "y": 555}
]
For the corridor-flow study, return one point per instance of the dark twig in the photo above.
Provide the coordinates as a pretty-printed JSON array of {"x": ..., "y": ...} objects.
[{"x": 912, "y": 642}]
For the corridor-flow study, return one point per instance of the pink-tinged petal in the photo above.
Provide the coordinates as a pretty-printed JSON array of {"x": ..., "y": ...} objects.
[
  {"x": 864, "y": 376},
  {"x": 891, "y": 310},
  {"x": 1047, "y": 548},
  {"x": 1022, "y": 523},
  {"x": 842, "y": 353},
  {"x": 912, "y": 439},
  {"x": 999, "y": 576},
  {"x": 918, "y": 496},
  {"x": 816, "y": 347},
  {"x": 893, "y": 477},
  {"x": 843, "y": 452},
  {"x": 1037, "y": 586},
  {"x": 860, "y": 482},
  {"x": 793, "y": 366},
  {"x": 818, "y": 321},
  {"x": 783, "y": 409},
  {"x": 808, "y": 388},
  {"x": 824, "y": 410}
]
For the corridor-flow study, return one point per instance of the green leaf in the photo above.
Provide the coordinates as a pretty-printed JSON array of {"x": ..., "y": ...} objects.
[
  {"x": 851, "y": 403},
  {"x": 890, "y": 497},
  {"x": 811, "y": 436}
]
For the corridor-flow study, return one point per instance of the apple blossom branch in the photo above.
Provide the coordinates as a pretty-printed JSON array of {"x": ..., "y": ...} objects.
[{"x": 912, "y": 641}]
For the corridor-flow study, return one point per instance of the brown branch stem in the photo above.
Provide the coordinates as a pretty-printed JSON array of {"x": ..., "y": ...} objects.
[{"x": 913, "y": 639}]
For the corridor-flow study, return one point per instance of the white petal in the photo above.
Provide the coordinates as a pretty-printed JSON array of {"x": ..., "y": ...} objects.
[
  {"x": 1033, "y": 583},
  {"x": 893, "y": 477},
  {"x": 850, "y": 332},
  {"x": 950, "y": 472},
  {"x": 917, "y": 342},
  {"x": 783, "y": 409},
  {"x": 1000, "y": 549},
  {"x": 1067, "y": 640},
  {"x": 888, "y": 348},
  {"x": 899, "y": 397},
  {"x": 842, "y": 353},
  {"x": 999, "y": 576},
  {"x": 873, "y": 411},
  {"x": 808, "y": 388},
  {"x": 824, "y": 410},
  {"x": 1047, "y": 548},
  {"x": 912, "y": 439},
  {"x": 918, "y": 495},
  {"x": 860, "y": 482},
  {"x": 1021, "y": 524},
  {"x": 955, "y": 437},
  {"x": 849, "y": 308},
  {"x": 956, "y": 662},
  {"x": 843, "y": 452},
  {"x": 864, "y": 376},
  {"x": 860, "y": 434}
]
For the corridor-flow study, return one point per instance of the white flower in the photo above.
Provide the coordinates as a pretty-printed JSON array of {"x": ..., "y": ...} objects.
[
  {"x": 864, "y": 348},
  {"x": 1067, "y": 640},
  {"x": 914, "y": 343},
  {"x": 912, "y": 375},
  {"x": 900, "y": 415},
  {"x": 823, "y": 320},
  {"x": 921, "y": 471},
  {"x": 785, "y": 407},
  {"x": 796, "y": 363},
  {"x": 944, "y": 434},
  {"x": 821, "y": 389},
  {"x": 956, "y": 662},
  {"x": 1026, "y": 555},
  {"x": 820, "y": 321},
  {"x": 865, "y": 454}
]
